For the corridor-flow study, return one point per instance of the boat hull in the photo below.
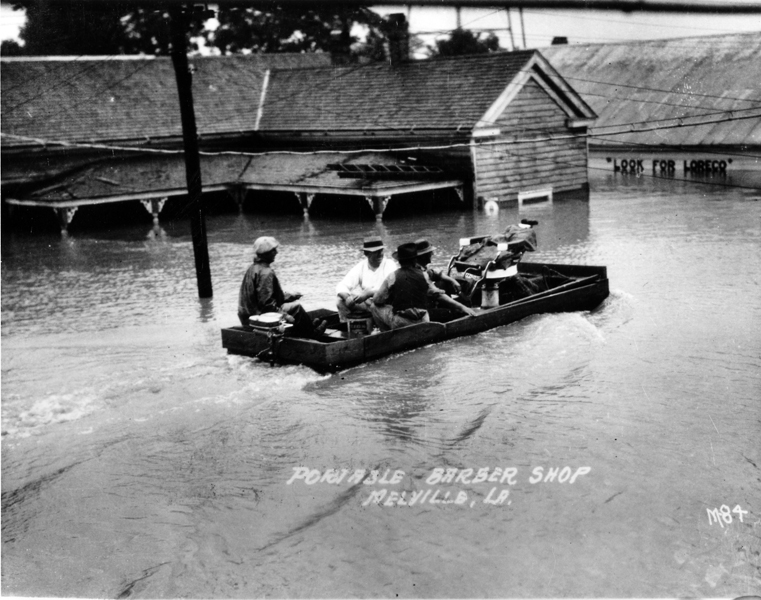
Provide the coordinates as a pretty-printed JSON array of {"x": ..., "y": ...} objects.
[{"x": 588, "y": 288}]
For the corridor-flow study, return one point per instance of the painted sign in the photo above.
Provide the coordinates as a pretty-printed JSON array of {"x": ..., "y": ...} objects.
[{"x": 656, "y": 165}]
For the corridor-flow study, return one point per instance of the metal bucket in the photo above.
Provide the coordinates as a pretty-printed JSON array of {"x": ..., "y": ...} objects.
[{"x": 490, "y": 294}]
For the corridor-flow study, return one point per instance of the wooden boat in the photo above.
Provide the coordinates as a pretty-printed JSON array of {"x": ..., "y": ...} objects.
[{"x": 583, "y": 289}]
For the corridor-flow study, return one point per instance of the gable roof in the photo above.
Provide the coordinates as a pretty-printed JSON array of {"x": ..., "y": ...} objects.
[
  {"x": 132, "y": 98},
  {"x": 661, "y": 83},
  {"x": 445, "y": 93}
]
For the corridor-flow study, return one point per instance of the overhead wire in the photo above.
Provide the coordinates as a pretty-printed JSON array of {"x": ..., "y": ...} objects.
[
  {"x": 668, "y": 176},
  {"x": 66, "y": 109},
  {"x": 28, "y": 81},
  {"x": 345, "y": 72},
  {"x": 494, "y": 147},
  {"x": 588, "y": 18},
  {"x": 542, "y": 138},
  {"x": 660, "y": 90},
  {"x": 731, "y": 112},
  {"x": 47, "y": 90}
]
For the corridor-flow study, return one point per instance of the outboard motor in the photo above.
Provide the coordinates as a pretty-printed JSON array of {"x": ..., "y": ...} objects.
[{"x": 484, "y": 264}]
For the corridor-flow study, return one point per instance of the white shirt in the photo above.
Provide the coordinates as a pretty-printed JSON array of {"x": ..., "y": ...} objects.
[{"x": 361, "y": 278}]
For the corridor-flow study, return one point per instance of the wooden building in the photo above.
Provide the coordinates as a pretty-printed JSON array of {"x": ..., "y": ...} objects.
[
  {"x": 683, "y": 107},
  {"x": 92, "y": 131}
]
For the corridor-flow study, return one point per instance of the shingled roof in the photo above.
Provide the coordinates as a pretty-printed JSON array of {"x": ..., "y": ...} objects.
[
  {"x": 113, "y": 99},
  {"x": 446, "y": 93},
  {"x": 671, "y": 87},
  {"x": 107, "y": 100}
]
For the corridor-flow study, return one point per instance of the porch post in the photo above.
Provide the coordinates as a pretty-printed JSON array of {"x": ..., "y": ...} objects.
[
  {"x": 65, "y": 215},
  {"x": 238, "y": 193},
  {"x": 378, "y": 204},
  {"x": 154, "y": 206},
  {"x": 305, "y": 200}
]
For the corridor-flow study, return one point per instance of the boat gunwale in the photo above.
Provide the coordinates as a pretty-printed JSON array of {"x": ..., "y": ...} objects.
[{"x": 340, "y": 353}]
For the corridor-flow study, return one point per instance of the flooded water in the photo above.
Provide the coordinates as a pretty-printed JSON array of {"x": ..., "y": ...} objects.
[{"x": 612, "y": 453}]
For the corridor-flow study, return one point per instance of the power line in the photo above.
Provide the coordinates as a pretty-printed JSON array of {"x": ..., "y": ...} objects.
[
  {"x": 660, "y": 148},
  {"x": 649, "y": 89},
  {"x": 41, "y": 74},
  {"x": 587, "y": 18},
  {"x": 288, "y": 97},
  {"x": 627, "y": 129},
  {"x": 45, "y": 91},
  {"x": 556, "y": 162},
  {"x": 65, "y": 109}
]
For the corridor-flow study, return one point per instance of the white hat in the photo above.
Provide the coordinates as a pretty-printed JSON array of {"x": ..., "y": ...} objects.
[{"x": 264, "y": 244}]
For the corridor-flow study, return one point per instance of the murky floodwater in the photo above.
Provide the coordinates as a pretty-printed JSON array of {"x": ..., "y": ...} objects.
[{"x": 588, "y": 450}]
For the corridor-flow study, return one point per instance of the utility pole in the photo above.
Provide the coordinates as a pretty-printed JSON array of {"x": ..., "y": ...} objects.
[
  {"x": 510, "y": 28},
  {"x": 179, "y": 20},
  {"x": 523, "y": 27}
]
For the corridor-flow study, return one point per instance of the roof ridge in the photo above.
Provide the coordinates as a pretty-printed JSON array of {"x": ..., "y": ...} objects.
[
  {"x": 410, "y": 63},
  {"x": 82, "y": 58},
  {"x": 657, "y": 40}
]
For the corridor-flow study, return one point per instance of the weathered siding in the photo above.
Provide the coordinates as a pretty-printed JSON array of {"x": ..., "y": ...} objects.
[{"x": 508, "y": 164}]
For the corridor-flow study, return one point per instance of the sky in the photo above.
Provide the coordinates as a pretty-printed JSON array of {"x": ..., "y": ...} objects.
[
  {"x": 540, "y": 25},
  {"x": 579, "y": 26}
]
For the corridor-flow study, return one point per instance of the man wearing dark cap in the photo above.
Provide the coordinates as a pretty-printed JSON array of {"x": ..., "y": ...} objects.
[
  {"x": 404, "y": 295},
  {"x": 261, "y": 293},
  {"x": 356, "y": 290}
]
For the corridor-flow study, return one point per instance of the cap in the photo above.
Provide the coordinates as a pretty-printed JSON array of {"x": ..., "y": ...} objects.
[
  {"x": 373, "y": 244},
  {"x": 265, "y": 244}
]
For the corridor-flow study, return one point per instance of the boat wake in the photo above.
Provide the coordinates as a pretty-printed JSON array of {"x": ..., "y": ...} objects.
[{"x": 615, "y": 311}]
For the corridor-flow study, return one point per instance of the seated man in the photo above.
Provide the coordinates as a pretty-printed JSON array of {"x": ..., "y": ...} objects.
[
  {"x": 437, "y": 276},
  {"x": 357, "y": 288},
  {"x": 404, "y": 295},
  {"x": 260, "y": 293}
]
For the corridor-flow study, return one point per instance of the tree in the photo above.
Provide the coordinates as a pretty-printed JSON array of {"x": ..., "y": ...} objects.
[
  {"x": 464, "y": 41},
  {"x": 270, "y": 28},
  {"x": 109, "y": 28},
  {"x": 89, "y": 28},
  {"x": 11, "y": 48}
]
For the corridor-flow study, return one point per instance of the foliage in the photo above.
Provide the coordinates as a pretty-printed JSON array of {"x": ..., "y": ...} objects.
[
  {"x": 89, "y": 28},
  {"x": 270, "y": 28},
  {"x": 108, "y": 28},
  {"x": 464, "y": 41},
  {"x": 11, "y": 48}
]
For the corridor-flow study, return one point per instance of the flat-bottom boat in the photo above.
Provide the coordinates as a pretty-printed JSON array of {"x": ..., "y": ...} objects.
[{"x": 566, "y": 288}]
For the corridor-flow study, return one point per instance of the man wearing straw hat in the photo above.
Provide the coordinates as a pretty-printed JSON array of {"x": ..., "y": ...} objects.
[{"x": 355, "y": 291}]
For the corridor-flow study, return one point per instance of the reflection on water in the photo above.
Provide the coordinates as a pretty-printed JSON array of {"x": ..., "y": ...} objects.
[{"x": 140, "y": 460}]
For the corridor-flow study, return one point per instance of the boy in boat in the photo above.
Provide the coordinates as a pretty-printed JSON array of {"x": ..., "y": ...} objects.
[
  {"x": 404, "y": 295},
  {"x": 356, "y": 290},
  {"x": 261, "y": 293}
]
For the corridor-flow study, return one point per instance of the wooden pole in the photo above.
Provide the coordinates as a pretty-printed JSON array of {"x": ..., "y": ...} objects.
[
  {"x": 510, "y": 28},
  {"x": 179, "y": 26}
]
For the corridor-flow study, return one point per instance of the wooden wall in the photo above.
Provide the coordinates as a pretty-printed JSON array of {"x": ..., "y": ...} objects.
[{"x": 503, "y": 168}]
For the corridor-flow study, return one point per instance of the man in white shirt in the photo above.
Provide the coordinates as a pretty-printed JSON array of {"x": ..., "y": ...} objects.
[{"x": 356, "y": 290}]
